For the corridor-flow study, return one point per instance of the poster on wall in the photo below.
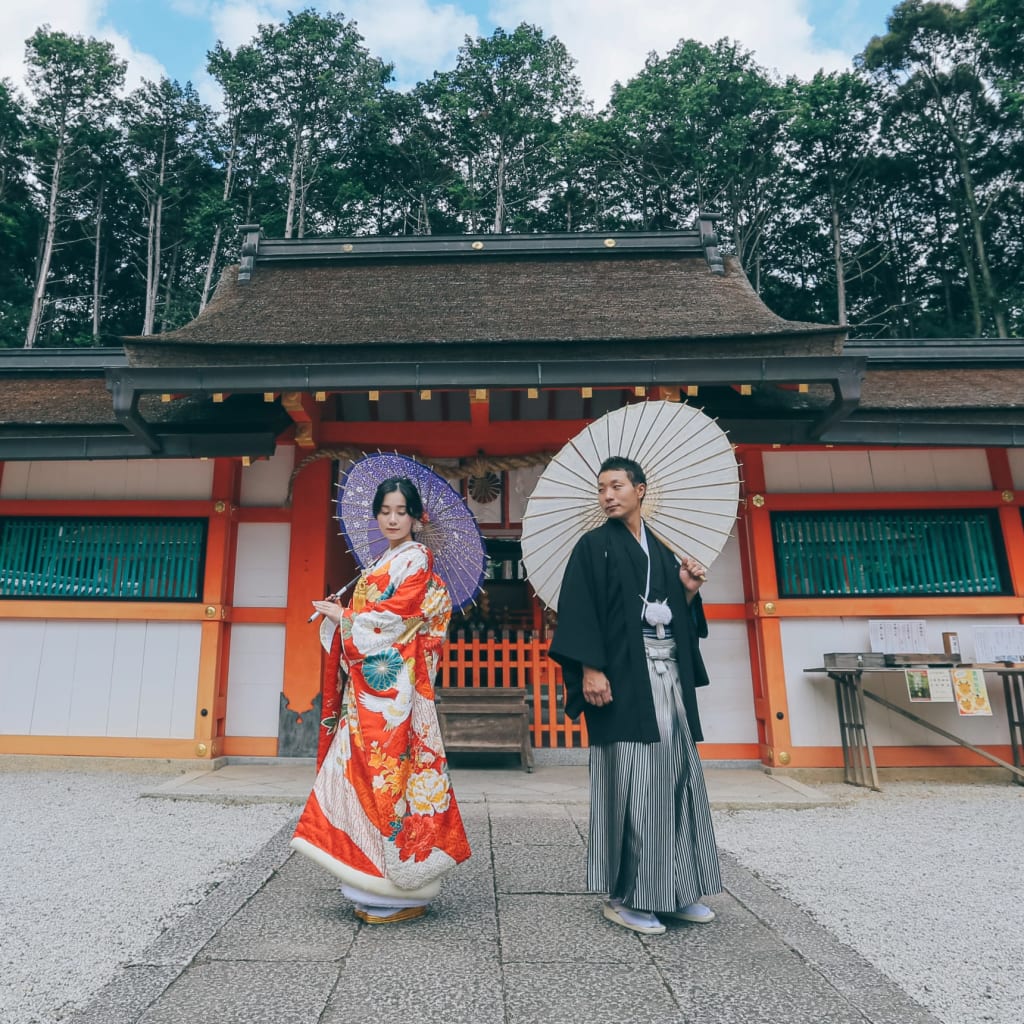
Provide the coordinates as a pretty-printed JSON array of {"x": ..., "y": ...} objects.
[
  {"x": 998, "y": 643},
  {"x": 930, "y": 685},
  {"x": 971, "y": 692},
  {"x": 897, "y": 636}
]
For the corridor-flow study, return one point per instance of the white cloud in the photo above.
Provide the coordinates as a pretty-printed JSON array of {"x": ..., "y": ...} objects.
[
  {"x": 19, "y": 19},
  {"x": 417, "y": 36},
  {"x": 140, "y": 65},
  {"x": 236, "y": 21},
  {"x": 611, "y": 39}
]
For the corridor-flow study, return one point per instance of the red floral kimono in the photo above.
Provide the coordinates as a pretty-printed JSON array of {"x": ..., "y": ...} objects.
[{"x": 382, "y": 815}]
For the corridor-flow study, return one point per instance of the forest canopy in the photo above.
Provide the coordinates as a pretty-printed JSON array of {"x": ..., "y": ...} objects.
[{"x": 889, "y": 197}]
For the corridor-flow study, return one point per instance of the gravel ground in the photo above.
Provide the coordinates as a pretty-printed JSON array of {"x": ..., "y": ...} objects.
[
  {"x": 926, "y": 881},
  {"x": 90, "y": 874}
]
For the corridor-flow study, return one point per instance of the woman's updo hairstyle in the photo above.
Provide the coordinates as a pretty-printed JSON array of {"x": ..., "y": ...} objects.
[{"x": 413, "y": 501}]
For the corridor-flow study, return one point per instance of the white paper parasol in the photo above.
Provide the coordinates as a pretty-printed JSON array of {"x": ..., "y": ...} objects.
[{"x": 693, "y": 487}]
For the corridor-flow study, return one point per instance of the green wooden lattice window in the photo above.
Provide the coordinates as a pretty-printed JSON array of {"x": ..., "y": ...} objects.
[
  {"x": 86, "y": 558},
  {"x": 826, "y": 554}
]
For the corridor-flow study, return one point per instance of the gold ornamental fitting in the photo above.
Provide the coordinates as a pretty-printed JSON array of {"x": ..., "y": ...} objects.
[
  {"x": 769, "y": 607},
  {"x": 210, "y": 611},
  {"x": 1007, "y": 496},
  {"x": 220, "y": 507},
  {"x": 784, "y": 757},
  {"x": 609, "y": 243},
  {"x": 201, "y": 750},
  {"x": 757, "y": 501},
  {"x": 347, "y": 247},
  {"x": 478, "y": 245}
]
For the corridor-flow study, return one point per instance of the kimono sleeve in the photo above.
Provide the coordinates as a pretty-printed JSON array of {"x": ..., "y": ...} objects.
[
  {"x": 383, "y": 620},
  {"x": 580, "y": 635},
  {"x": 700, "y": 620}
]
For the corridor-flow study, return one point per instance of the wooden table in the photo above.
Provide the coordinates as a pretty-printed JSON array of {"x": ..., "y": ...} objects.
[{"x": 859, "y": 768}]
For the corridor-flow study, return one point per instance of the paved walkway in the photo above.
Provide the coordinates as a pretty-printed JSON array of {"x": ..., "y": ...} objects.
[{"x": 513, "y": 939}]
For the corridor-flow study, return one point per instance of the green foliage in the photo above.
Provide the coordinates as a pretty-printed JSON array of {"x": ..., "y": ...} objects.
[
  {"x": 890, "y": 196},
  {"x": 502, "y": 115},
  {"x": 19, "y": 222}
]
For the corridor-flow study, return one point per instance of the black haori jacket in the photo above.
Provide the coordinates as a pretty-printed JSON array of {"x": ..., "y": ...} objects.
[{"x": 599, "y": 624}]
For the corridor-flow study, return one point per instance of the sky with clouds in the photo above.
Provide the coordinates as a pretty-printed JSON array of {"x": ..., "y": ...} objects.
[{"x": 608, "y": 38}]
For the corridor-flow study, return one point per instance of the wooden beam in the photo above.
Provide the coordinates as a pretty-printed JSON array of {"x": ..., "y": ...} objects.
[
  {"x": 64, "y": 507},
  {"x": 101, "y": 746},
  {"x": 455, "y": 439},
  {"x": 305, "y": 413}
]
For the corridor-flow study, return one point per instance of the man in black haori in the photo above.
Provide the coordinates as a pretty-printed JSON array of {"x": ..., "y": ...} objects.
[{"x": 629, "y": 618}]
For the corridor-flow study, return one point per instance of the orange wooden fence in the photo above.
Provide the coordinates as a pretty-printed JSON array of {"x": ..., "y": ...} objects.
[{"x": 516, "y": 659}]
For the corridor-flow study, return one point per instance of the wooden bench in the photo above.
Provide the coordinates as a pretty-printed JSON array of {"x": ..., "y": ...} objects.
[{"x": 488, "y": 720}]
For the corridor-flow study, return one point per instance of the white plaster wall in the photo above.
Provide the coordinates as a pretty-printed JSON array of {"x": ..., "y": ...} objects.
[
  {"x": 1016, "y": 456},
  {"x": 265, "y": 482},
  {"x": 261, "y": 565},
  {"x": 89, "y": 678},
  {"x": 833, "y": 472},
  {"x": 255, "y": 679},
  {"x": 813, "y": 719},
  {"x": 727, "y": 705},
  {"x": 116, "y": 480}
]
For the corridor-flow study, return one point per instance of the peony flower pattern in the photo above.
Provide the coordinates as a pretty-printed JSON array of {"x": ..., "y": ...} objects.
[
  {"x": 417, "y": 837},
  {"x": 372, "y": 632},
  {"x": 428, "y": 792},
  {"x": 437, "y": 606}
]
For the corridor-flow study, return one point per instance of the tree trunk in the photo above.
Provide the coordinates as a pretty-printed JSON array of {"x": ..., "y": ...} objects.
[
  {"x": 172, "y": 272},
  {"x": 499, "y": 198},
  {"x": 293, "y": 184},
  {"x": 211, "y": 263},
  {"x": 96, "y": 268},
  {"x": 147, "y": 318},
  {"x": 39, "y": 295},
  {"x": 156, "y": 225},
  {"x": 980, "y": 249},
  {"x": 978, "y": 236},
  {"x": 972, "y": 278},
  {"x": 837, "y": 255},
  {"x": 423, "y": 216}
]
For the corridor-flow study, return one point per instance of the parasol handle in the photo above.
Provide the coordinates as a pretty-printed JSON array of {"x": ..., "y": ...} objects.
[
  {"x": 334, "y": 597},
  {"x": 700, "y": 576}
]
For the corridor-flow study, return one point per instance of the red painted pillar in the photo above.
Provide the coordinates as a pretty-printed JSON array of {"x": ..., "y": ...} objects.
[
  {"x": 764, "y": 629},
  {"x": 311, "y": 528}
]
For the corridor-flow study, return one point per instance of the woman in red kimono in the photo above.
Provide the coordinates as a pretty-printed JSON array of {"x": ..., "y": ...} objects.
[{"x": 382, "y": 816}]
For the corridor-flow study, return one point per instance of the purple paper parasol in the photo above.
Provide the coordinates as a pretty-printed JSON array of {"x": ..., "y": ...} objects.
[{"x": 451, "y": 532}]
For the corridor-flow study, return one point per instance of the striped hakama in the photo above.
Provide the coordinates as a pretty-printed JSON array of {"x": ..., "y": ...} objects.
[{"x": 652, "y": 844}]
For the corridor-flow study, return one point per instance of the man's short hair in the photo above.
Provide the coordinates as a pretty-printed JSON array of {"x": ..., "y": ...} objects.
[{"x": 628, "y": 466}]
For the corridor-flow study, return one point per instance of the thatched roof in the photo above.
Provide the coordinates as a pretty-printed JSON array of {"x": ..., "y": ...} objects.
[{"x": 626, "y": 299}]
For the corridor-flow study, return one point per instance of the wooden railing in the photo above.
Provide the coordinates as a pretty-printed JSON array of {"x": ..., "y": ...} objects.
[{"x": 516, "y": 658}]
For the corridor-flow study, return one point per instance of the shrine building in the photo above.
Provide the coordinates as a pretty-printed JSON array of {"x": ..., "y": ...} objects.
[{"x": 166, "y": 507}]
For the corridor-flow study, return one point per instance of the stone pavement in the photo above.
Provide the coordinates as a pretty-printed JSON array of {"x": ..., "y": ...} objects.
[{"x": 514, "y": 937}]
